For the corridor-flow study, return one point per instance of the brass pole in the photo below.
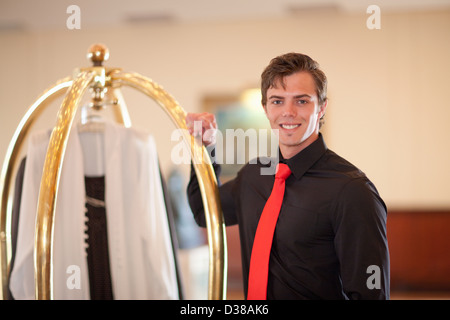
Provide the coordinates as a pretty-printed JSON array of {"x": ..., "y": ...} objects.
[
  {"x": 206, "y": 177},
  {"x": 50, "y": 182},
  {"x": 10, "y": 163}
]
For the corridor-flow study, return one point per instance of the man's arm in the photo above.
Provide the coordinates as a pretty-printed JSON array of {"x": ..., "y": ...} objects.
[
  {"x": 195, "y": 197},
  {"x": 361, "y": 241},
  {"x": 204, "y": 125},
  {"x": 226, "y": 199}
]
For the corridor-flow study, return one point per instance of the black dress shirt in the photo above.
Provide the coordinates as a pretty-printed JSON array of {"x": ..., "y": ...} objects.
[{"x": 330, "y": 240}]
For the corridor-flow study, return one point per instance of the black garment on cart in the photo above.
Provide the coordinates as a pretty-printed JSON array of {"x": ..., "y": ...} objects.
[{"x": 97, "y": 240}]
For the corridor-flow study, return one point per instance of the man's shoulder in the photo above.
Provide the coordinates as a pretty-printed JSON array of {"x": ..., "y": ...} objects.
[
  {"x": 339, "y": 165},
  {"x": 353, "y": 181}
]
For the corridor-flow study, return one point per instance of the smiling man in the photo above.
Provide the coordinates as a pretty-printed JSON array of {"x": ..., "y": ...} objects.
[
  {"x": 326, "y": 237},
  {"x": 292, "y": 106}
]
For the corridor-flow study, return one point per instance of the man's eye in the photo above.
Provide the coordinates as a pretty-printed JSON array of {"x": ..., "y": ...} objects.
[
  {"x": 302, "y": 101},
  {"x": 277, "y": 102}
]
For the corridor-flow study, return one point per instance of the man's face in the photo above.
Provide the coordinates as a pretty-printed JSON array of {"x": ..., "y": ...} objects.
[{"x": 295, "y": 112}]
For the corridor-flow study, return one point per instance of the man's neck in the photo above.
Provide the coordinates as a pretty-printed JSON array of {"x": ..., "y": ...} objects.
[{"x": 289, "y": 151}]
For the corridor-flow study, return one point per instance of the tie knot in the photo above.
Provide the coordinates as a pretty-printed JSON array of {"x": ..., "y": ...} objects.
[{"x": 283, "y": 171}]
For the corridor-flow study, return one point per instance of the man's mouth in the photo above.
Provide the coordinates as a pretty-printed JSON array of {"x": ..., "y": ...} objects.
[{"x": 289, "y": 126}]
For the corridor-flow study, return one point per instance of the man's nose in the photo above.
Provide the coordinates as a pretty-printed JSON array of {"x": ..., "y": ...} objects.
[{"x": 289, "y": 109}]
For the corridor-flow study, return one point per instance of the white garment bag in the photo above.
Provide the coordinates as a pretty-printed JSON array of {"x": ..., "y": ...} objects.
[{"x": 141, "y": 254}]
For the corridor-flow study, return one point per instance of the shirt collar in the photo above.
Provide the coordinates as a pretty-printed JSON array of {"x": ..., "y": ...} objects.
[{"x": 304, "y": 160}]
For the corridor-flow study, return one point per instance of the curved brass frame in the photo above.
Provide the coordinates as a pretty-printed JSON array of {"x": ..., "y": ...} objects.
[
  {"x": 9, "y": 164},
  {"x": 98, "y": 77},
  {"x": 206, "y": 177}
]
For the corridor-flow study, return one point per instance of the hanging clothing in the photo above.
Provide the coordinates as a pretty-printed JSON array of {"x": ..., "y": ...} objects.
[
  {"x": 100, "y": 285},
  {"x": 141, "y": 253}
]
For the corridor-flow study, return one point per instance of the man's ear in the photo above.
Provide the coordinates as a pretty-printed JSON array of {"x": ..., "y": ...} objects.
[{"x": 323, "y": 109}]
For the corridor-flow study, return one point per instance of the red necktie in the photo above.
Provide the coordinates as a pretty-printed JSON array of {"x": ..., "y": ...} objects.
[{"x": 262, "y": 244}]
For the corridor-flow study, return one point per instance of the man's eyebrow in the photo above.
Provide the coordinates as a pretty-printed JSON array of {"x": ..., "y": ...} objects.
[
  {"x": 302, "y": 96},
  {"x": 276, "y": 97},
  {"x": 295, "y": 97}
]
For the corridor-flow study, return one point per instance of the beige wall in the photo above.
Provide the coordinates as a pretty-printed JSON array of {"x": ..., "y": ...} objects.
[{"x": 388, "y": 111}]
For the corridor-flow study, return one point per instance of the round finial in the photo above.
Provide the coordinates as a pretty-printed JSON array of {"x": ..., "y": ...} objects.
[{"x": 98, "y": 53}]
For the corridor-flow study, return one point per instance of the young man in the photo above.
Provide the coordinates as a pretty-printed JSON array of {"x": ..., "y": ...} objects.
[{"x": 329, "y": 241}]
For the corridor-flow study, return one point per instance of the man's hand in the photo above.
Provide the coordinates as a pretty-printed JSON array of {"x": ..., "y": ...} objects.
[{"x": 202, "y": 125}]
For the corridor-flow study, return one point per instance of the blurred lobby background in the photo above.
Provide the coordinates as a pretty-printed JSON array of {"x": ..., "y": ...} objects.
[{"x": 388, "y": 110}]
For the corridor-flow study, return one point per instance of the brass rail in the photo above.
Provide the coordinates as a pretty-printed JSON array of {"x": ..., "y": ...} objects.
[
  {"x": 9, "y": 165},
  {"x": 206, "y": 177}
]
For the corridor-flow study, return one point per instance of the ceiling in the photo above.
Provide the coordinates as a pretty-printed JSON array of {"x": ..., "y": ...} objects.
[{"x": 52, "y": 14}]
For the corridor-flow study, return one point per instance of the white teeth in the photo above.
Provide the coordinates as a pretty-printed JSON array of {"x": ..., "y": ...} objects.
[{"x": 289, "y": 126}]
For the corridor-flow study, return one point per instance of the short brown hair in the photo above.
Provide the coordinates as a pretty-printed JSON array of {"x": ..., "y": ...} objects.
[{"x": 288, "y": 64}]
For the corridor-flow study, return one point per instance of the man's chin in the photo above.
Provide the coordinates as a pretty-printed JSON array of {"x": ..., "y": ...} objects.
[{"x": 293, "y": 142}]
